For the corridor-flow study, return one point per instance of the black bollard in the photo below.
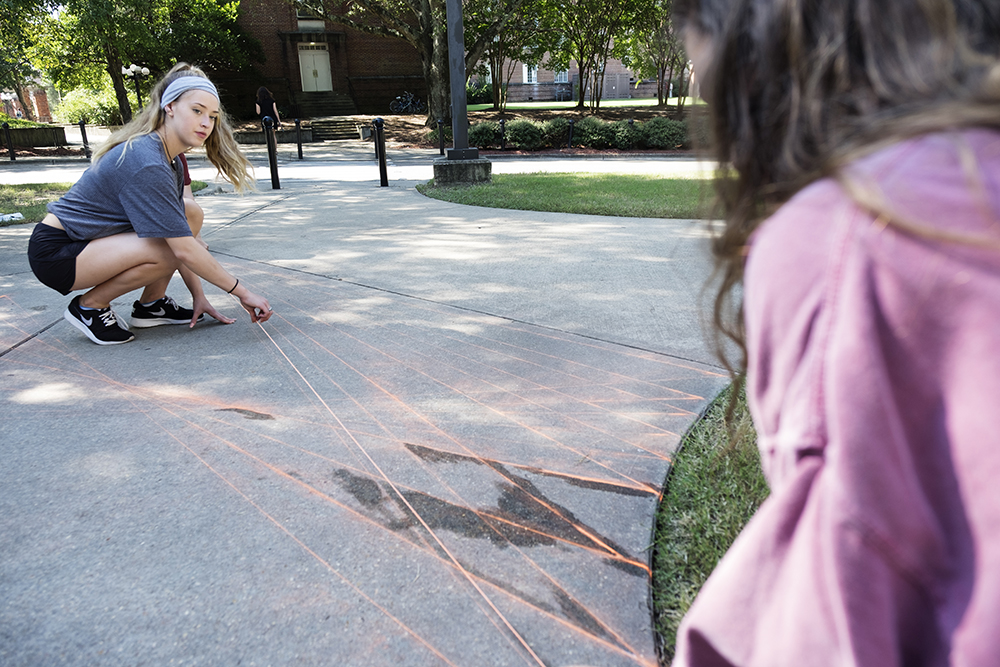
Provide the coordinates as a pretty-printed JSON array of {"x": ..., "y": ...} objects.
[
  {"x": 570, "y": 143},
  {"x": 380, "y": 151},
  {"x": 83, "y": 136},
  {"x": 441, "y": 135},
  {"x": 272, "y": 151},
  {"x": 503, "y": 134},
  {"x": 298, "y": 136},
  {"x": 9, "y": 140}
]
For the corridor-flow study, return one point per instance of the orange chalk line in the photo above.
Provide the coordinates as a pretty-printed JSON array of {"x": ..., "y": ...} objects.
[
  {"x": 614, "y": 374},
  {"x": 603, "y": 551},
  {"x": 569, "y": 337},
  {"x": 343, "y": 433},
  {"x": 309, "y": 551},
  {"x": 395, "y": 438},
  {"x": 314, "y": 491},
  {"x": 429, "y": 552},
  {"x": 604, "y": 547},
  {"x": 489, "y": 408},
  {"x": 138, "y": 390},
  {"x": 610, "y": 552},
  {"x": 557, "y": 392},
  {"x": 647, "y": 355},
  {"x": 128, "y": 389},
  {"x": 543, "y": 503},
  {"x": 419, "y": 518}
]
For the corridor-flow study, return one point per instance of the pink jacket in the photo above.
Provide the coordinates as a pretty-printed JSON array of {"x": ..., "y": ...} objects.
[{"x": 874, "y": 384}]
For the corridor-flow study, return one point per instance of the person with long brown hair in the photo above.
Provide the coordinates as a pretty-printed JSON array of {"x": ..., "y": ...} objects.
[
  {"x": 122, "y": 226},
  {"x": 859, "y": 266}
]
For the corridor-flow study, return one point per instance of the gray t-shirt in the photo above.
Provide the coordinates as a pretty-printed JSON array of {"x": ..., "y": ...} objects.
[{"x": 129, "y": 189}]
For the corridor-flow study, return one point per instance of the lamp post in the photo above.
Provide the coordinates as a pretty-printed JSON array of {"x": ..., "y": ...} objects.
[{"x": 136, "y": 73}]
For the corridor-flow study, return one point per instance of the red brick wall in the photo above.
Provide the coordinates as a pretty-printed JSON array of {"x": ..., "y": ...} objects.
[
  {"x": 40, "y": 101},
  {"x": 372, "y": 69}
]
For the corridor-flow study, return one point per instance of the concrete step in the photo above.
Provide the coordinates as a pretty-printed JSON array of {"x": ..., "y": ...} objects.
[
  {"x": 325, "y": 129},
  {"x": 318, "y": 105}
]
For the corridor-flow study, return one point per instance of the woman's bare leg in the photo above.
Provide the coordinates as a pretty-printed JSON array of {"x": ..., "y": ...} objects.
[{"x": 118, "y": 264}]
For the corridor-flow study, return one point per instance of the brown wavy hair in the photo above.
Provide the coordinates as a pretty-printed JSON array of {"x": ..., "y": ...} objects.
[
  {"x": 800, "y": 89},
  {"x": 221, "y": 147}
]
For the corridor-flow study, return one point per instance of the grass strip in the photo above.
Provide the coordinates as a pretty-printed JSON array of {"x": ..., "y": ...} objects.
[
  {"x": 714, "y": 486},
  {"x": 635, "y": 196},
  {"x": 29, "y": 200}
]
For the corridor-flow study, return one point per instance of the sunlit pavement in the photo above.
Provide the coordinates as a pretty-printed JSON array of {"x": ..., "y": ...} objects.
[{"x": 446, "y": 447}]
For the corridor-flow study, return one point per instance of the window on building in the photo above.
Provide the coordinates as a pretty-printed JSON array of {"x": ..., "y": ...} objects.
[
  {"x": 530, "y": 74},
  {"x": 562, "y": 76}
]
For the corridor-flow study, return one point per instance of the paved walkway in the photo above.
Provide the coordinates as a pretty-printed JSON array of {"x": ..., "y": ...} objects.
[{"x": 446, "y": 447}]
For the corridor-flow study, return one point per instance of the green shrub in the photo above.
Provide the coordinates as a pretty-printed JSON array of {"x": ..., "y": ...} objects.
[
  {"x": 593, "y": 133},
  {"x": 555, "y": 132},
  {"x": 524, "y": 134},
  {"x": 19, "y": 122},
  {"x": 433, "y": 136},
  {"x": 665, "y": 133},
  {"x": 94, "y": 107},
  {"x": 479, "y": 92},
  {"x": 484, "y": 135},
  {"x": 626, "y": 136}
]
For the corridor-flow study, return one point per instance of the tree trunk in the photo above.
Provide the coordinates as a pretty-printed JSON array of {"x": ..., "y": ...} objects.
[
  {"x": 114, "y": 63},
  {"x": 25, "y": 107},
  {"x": 436, "y": 74},
  {"x": 662, "y": 85}
]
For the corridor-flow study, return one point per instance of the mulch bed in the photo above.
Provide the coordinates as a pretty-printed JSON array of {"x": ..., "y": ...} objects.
[{"x": 54, "y": 151}]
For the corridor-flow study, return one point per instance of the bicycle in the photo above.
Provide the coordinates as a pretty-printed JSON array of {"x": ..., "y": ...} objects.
[{"x": 407, "y": 103}]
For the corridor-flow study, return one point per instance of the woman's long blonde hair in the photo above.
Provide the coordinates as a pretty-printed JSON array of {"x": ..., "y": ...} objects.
[{"x": 221, "y": 146}]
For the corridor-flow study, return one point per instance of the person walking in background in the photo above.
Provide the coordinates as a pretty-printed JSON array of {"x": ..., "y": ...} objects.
[
  {"x": 859, "y": 144},
  {"x": 266, "y": 106},
  {"x": 122, "y": 226}
]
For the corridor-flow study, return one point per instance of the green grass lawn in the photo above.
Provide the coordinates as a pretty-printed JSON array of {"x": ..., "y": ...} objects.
[
  {"x": 29, "y": 200},
  {"x": 715, "y": 485},
  {"x": 596, "y": 194}
]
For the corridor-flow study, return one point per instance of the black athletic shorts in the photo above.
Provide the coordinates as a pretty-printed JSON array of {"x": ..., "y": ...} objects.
[{"x": 52, "y": 255}]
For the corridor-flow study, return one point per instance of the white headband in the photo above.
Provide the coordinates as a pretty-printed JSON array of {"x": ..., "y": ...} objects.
[{"x": 180, "y": 86}]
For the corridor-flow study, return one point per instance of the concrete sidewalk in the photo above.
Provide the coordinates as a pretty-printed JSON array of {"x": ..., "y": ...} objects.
[{"x": 446, "y": 447}]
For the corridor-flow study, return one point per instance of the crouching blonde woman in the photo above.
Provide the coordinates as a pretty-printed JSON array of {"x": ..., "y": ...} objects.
[{"x": 122, "y": 226}]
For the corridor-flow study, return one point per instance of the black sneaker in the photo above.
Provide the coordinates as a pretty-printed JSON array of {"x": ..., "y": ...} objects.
[
  {"x": 161, "y": 311},
  {"x": 100, "y": 325}
]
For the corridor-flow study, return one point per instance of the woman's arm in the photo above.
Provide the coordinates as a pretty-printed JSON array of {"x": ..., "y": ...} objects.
[{"x": 200, "y": 262}]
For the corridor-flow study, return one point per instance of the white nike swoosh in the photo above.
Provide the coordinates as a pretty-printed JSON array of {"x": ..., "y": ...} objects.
[
  {"x": 159, "y": 313},
  {"x": 86, "y": 321}
]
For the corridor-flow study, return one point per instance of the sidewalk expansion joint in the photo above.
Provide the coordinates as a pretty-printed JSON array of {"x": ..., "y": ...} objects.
[{"x": 25, "y": 340}]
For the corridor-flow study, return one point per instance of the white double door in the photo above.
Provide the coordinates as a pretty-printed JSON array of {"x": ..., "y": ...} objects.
[{"x": 314, "y": 66}]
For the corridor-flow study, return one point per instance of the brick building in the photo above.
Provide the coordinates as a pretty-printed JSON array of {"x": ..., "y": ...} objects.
[
  {"x": 318, "y": 68},
  {"x": 536, "y": 84},
  {"x": 36, "y": 98}
]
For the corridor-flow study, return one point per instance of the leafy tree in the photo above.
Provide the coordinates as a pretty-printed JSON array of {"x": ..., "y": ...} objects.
[
  {"x": 523, "y": 40},
  {"x": 652, "y": 50},
  {"x": 423, "y": 24},
  {"x": 20, "y": 23},
  {"x": 90, "y": 40},
  {"x": 586, "y": 31}
]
